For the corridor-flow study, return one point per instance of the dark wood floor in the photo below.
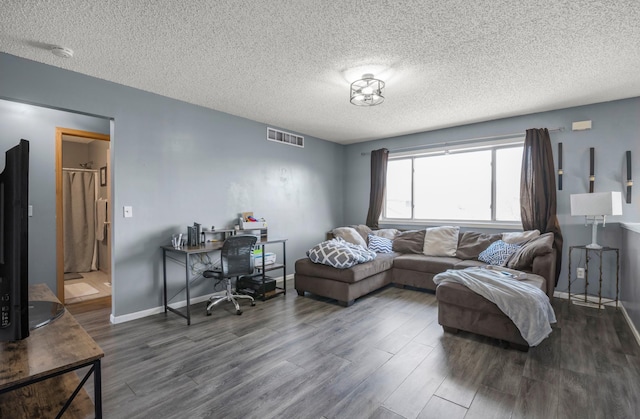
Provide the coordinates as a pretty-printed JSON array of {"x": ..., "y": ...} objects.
[{"x": 384, "y": 357}]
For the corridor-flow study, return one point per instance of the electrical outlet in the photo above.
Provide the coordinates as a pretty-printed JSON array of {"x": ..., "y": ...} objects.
[{"x": 580, "y": 273}]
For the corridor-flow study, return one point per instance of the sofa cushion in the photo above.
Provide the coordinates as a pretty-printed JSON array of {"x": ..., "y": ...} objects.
[
  {"x": 441, "y": 241},
  {"x": 362, "y": 229},
  {"x": 498, "y": 253},
  {"x": 381, "y": 263},
  {"x": 387, "y": 233},
  {"x": 468, "y": 264},
  {"x": 520, "y": 236},
  {"x": 350, "y": 235},
  {"x": 380, "y": 244},
  {"x": 411, "y": 241},
  {"x": 522, "y": 259},
  {"x": 471, "y": 243},
  {"x": 422, "y": 263}
]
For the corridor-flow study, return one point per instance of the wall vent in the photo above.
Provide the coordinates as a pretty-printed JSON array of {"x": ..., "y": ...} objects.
[{"x": 284, "y": 137}]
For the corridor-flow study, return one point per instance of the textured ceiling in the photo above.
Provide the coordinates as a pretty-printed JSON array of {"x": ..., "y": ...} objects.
[{"x": 289, "y": 63}]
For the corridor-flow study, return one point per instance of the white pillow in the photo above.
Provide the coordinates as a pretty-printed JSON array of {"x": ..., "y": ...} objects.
[
  {"x": 349, "y": 234},
  {"x": 441, "y": 241},
  {"x": 520, "y": 236}
]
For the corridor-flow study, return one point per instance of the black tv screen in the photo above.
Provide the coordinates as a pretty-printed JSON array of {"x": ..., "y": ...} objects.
[{"x": 14, "y": 230}]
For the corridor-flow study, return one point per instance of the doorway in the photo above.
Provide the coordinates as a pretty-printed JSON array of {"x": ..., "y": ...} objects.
[{"x": 83, "y": 215}]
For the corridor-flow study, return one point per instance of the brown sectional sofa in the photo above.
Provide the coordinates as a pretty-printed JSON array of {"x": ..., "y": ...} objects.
[{"x": 458, "y": 307}]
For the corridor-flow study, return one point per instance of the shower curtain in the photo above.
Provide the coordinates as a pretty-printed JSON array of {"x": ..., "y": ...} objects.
[{"x": 78, "y": 208}]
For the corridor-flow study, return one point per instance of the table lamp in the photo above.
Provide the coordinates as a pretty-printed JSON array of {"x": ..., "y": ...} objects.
[{"x": 595, "y": 207}]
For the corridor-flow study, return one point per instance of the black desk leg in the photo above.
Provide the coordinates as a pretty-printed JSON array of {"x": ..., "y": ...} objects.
[
  {"x": 284, "y": 263},
  {"x": 164, "y": 276},
  {"x": 188, "y": 294},
  {"x": 97, "y": 389}
]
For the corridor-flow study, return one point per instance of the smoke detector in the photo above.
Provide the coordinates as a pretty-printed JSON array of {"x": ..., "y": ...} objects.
[{"x": 61, "y": 51}]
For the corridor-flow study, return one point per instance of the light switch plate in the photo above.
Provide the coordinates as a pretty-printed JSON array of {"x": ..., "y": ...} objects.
[
  {"x": 30, "y": 210},
  {"x": 128, "y": 212}
]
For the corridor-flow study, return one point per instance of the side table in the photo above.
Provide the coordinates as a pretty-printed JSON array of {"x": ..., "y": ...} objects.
[{"x": 598, "y": 253}]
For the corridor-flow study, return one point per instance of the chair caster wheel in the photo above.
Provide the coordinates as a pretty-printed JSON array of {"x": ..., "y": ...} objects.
[
  {"x": 208, "y": 313},
  {"x": 253, "y": 303},
  {"x": 238, "y": 312}
]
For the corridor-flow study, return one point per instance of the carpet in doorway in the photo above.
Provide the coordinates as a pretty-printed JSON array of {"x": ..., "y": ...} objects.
[
  {"x": 72, "y": 275},
  {"x": 81, "y": 289}
]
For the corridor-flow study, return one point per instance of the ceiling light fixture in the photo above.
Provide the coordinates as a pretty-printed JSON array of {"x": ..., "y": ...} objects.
[
  {"x": 367, "y": 91},
  {"x": 61, "y": 51}
]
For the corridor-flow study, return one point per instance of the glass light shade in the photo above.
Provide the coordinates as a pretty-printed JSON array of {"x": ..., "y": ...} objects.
[{"x": 367, "y": 91}]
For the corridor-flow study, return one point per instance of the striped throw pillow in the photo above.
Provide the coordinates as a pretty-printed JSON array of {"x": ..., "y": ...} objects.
[{"x": 380, "y": 244}]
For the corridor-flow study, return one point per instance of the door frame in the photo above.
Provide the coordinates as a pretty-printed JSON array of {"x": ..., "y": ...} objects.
[{"x": 60, "y": 131}]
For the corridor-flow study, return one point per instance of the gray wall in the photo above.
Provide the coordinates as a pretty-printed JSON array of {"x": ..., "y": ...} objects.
[
  {"x": 38, "y": 126},
  {"x": 176, "y": 164},
  {"x": 616, "y": 128}
]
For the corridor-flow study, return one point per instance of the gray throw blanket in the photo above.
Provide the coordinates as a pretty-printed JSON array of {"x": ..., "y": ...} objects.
[{"x": 528, "y": 307}]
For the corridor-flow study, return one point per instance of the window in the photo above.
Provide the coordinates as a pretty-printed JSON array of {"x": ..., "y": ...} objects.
[{"x": 471, "y": 183}]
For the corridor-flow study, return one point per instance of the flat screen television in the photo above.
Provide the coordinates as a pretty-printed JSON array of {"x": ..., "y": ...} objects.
[{"x": 14, "y": 225}]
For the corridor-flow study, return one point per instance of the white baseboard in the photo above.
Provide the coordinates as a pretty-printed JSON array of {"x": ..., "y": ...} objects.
[
  {"x": 179, "y": 304},
  {"x": 630, "y": 323},
  {"x": 594, "y": 300}
]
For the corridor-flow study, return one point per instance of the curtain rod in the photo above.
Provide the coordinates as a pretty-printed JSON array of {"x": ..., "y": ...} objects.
[
  {"x": 80, "y": 170},
  {"x": 445, "y": 143}
]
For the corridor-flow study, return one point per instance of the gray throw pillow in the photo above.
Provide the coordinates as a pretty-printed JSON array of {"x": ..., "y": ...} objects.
[
  {"x": 350, "y": 235},
  {"x": 471, "y": 243},
  {"x": 362, "y": 229},
  {"x": 387, "y": 233},
  {"x": 411, "y": 241},
  {"x": 522, "y": 259}
]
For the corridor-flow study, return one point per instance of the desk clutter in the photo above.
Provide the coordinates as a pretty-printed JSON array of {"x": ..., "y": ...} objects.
[
  {"x": 198, "y": 235},
  {"x": 200, "y": 241},
  {"x": 256, "y": 287}
]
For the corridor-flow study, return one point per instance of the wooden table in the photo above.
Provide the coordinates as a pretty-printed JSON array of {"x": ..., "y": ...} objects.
[{"x": 37, "y": 377}]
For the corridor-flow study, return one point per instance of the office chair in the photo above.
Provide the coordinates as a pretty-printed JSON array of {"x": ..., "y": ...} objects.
[{"x": 236, "y": 259}]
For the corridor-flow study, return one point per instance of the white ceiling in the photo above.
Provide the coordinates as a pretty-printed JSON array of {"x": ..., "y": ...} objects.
[{"x": 289, "y": 63}]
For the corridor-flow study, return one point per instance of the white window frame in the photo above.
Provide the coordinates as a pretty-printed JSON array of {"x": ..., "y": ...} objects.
[{"x": 455, "y": 148}]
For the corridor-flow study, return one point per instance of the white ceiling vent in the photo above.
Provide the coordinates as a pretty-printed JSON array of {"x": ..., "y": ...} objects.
[{"x": 284, "y": 137}]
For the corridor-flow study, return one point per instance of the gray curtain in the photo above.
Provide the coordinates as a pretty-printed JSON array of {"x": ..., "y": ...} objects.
[
  {"x": 538, "y": 189},
  {"x": 78, "y": 209},
  {"x": 379, "y": 160}
]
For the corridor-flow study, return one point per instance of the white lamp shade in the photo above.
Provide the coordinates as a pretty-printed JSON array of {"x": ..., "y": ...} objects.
[{"x": 594, "y": 204}]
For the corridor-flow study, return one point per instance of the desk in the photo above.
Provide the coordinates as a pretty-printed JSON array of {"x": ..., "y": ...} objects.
[
  {"x": 37, "y": 379},
  {"x": 187, "y": 251},
  {"x": 587, "y": 251}
]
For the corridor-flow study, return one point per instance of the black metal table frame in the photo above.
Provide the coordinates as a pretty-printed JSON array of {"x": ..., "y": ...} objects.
[
  {"x": 263, "y": 270},
  {"x": 187, "y": 251},
  {"x": 586, "y": 273},
  {"x": 97, "y": 385}
]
